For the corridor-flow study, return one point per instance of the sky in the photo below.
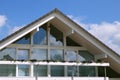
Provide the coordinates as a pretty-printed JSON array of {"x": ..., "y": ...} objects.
[{"x": 99, "y": 17}]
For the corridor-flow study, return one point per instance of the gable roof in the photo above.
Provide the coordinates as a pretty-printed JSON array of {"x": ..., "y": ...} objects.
[{"x": 81, "y": 35}]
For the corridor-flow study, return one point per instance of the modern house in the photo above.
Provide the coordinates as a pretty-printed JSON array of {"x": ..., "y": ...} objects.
[{"x": 54, "y": 47}]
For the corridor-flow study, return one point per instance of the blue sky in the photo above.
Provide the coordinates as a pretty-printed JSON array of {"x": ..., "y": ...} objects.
[{"x": 100, "y": 17}]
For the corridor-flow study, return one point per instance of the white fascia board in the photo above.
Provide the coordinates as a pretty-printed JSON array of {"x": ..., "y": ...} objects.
[
  {"x": 24, "y": 32},
  {"x": 55, "y": 63}
]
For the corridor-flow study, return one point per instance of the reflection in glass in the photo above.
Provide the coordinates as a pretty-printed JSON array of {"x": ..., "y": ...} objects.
[
  {"x": 23, "y": 55},
  {"x": 8, "y": 54},
  {"x": 87, "y": 56},
  {"x": 40, "y": 70},
  {"x": 57, "y": 70},
  {"x": 40, "y": 36},
  {"x": 72, "y": 71},
  {"x": 23, "y": 40},
  {"x": 56, "y": 37},
  {"x": 71, "y": 55},
  {"x": 23, "y": 70},
  {"x": 7, "y": 70},
  {"x": 39, "y": 54},
  {"x": 56, "y": 55}
]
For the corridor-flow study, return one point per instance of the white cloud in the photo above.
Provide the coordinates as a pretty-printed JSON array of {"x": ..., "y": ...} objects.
[
  {"x": 108, "y": 33},
  {"x": 14, "y": 29},
  {"x": 3, "y": 20}
]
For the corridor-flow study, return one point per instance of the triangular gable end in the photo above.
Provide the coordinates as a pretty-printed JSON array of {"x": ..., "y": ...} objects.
[{"x": 82, "y": 36}]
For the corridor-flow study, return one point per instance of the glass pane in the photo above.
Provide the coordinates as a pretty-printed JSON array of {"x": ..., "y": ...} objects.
[
  {"x": 56, "y": 55},
  {"x": 39, "y": 54},
  {"x": 72, "y": 71},
  {"x": 70, "y": 42},
  {"x": 57, "y": 70},
  {"x": 23, "y": 55},
  {"x": 7, "y": 70},
  {"x": 23, "y": 70},
  {"x": 56, "y": 37},
  {"x": 86, "y": 71},
  {"x": 23, "y": 40},
  {"x": 71, "y": 55},
  {"x": 40, "y": 70},
  {"x": 86, "y": 56},
  {"x": 8, "y": 54},
  {"x": 40, "y": 36}
]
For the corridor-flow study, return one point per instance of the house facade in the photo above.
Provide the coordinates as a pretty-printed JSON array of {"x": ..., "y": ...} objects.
[{"x": 56, "y": 48}]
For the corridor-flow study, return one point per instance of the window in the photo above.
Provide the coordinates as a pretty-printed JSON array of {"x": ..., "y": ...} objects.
[
  {"x": 72, "y": 71},
  {"x": 56, "y": 55},
  {"x": 40, "y": 37},
  {"x": 56, "y": 37},
  {"x": 7, "y": 70},
  {"x": 39, "y": 54},
  {"x": 85, "y": 56},
  {"x": 23, "y": 54},
  {"x": 24, "y": 40},
  {"x": 57, "y": 70},
  {"x": 40, "y": 70},
  {"x": 70, "y": 42},
  {"x": 86, "y": 71},
  {"x": 8, "y": 54},
  {"x": 23, "y": 70},
  {"x": 71, "y": 56}
]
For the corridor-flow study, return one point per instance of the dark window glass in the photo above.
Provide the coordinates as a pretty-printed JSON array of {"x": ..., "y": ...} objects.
[
  {"x": 72, "y": 71},
  {"x": 56, "y": 36},
  {"x": 110, "y": 72},
  {"x": 23, "y": 40},
  {"x": 40, "y": 70},
  {"x": 8, "y": 54},
  {"x": 57, "y": 70},
  {"x": 40, "y": 37},
  {"x": 70, "y": 42},
  {"x": 86, "y": 71},
  {"x": 7, "y": 70}
]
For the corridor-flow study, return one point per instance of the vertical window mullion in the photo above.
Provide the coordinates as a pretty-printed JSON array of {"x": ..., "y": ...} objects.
[{"x": 48, "y": 41}]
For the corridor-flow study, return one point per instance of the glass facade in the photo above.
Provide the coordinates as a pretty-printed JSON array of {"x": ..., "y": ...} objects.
[
  {"x": 56, "y": 37},
  {"x": 57, "y": 70},
  {"x": 23, "y": 70},
  {"x": 40, "y": 37},
  {"x": 24, "y": 40},
  {"x": 86, "y": 71},
  {"x": 47, "y": 44},
  {"x": 23, "y": 54},
  {"x": 39, "y": 54},
  {"x": 8, "y": 54},
  {"x": 7, "y": 70},
  {"x": 71, "y": 56},
  {"x": 56, "y": 55},
  {"x": 72, "y": 71},
  {"x": 40, "y": 70}
]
